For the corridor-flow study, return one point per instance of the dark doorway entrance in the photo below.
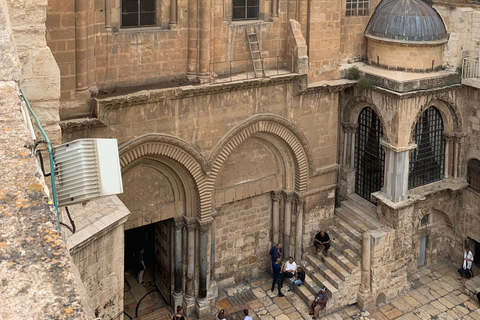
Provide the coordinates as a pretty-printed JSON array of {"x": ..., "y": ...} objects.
[
  {"x": 369, "y": 155},
  {"x": 154, "y": 294},
  {"x": 475, "y": 248}
]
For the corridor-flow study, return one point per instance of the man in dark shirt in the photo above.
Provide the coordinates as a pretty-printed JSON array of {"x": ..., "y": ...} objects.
[
  {"x": 299, "y": 279},
  {"x": 277, "y": 277},
  {"x": 276, "y": 252},
  {"x": 322, "y": 238}
]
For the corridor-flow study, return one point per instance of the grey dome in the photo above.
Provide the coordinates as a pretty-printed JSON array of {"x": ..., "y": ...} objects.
[{"x": 406, "y": 21}]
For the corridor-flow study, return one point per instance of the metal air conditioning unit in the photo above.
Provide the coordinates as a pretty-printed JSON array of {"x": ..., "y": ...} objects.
[{"x": 86, "y": 169}]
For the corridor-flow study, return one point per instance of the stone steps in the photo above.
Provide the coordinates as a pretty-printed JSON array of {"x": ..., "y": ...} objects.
[
  {"x": 343, "y": 240},
  {"x": 342, "y": 260},
  {"x": 347, "y": 214},
  {"x": 364, "y": 210},
  {"x": 353, "y": 233}
]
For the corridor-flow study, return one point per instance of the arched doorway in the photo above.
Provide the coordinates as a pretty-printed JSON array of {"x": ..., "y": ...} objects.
[{"x": 369, "y": 155}]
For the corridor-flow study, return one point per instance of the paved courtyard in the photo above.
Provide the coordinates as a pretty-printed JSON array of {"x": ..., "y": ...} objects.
[{"x": 436, "y": 293}]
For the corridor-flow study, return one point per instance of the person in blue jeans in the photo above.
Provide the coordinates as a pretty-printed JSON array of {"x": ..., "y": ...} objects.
[
  {"x": 299, "y": 279},
  {"x": 277, "y": 277}
]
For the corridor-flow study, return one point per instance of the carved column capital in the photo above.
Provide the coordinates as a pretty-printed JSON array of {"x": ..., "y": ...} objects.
[
  {"x": 204, "y": 225},
  {"x": 288, "y": 195},
  {"x": 191, "y": 223},
  {"x": 276, "y": 195},
  {"x": 349, "y": 127},
  {"x": 179, "y": 222}
]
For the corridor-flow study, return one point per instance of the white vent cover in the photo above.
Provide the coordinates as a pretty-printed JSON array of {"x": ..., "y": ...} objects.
[{"x": 87, "y": 169}]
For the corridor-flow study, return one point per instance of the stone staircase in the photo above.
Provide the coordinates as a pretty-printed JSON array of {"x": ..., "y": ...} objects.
[{"x": 340, "y": 271}]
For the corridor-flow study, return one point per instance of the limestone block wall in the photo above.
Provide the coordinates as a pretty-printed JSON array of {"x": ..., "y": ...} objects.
[
  {"x": 242, "y": 239},
  {"x": 100, "y": 263},
  {"x": 40, "y": 76},
  {"x": 463, "y": 24}
]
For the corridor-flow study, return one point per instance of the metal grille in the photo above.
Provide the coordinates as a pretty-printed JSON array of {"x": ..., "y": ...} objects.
[
  {"x": 357, "y": 7},
  {"x": 245, "y": 9},
  {"x": 474, "y": 174},
  {"x": 138, "y": 13},
  {"x": 369, "y": 155},
  {"x": 427, "y": 161}
]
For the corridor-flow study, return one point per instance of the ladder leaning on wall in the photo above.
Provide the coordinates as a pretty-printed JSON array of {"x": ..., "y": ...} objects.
[{"x": 255, "y": 52}]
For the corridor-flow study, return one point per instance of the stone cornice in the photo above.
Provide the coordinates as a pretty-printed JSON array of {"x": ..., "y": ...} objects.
[{"x": 416, "y": 93}]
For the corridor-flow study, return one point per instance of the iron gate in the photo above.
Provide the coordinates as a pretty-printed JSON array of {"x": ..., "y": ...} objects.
[
  {"x": 427, "y": 161},
  {"x": 369, "y": 155}
]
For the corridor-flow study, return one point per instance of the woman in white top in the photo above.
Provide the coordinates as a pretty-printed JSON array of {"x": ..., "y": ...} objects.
[
  {"x": 466, "y": 269},
  {"x": 247, "y": 317}
]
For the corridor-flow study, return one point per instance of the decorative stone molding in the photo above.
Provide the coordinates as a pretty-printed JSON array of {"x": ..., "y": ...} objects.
[
  {"x": 276, "y": 195},
  {"x": 204, "y": 225},
  {"x": 267, "y": 123},
  {"x": 288, "y": 195},
  {"x": 191, "y": 223},
  {"x": 349, "y": 127},
  {"x": 179, "y": 222},
  {"x": 386, "y": 145},
  {"x": 452, "y": 120},
  {"x": 353, "y": 109}
]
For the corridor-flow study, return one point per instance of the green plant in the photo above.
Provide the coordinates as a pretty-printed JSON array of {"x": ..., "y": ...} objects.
[
  {"x": 353, "y": 73},
  {"x": 364, "y": 84}
]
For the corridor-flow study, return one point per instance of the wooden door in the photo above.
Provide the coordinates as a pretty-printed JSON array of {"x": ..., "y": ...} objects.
[{"x": 163, "y": 257}]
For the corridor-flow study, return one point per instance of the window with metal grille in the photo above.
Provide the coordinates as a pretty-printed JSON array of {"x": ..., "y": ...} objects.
[
  {"x": 427, "y": 161},
  {"x": 357, "y": 7},
  {"x": 425, "y": 220},
  {"x": 138, "y": 13},
  {"x": 369, "y": 154},
  {"x": 473, "y": 174},
  {"x": 245, "y": 9}
]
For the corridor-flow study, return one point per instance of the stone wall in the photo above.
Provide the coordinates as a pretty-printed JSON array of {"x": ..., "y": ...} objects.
[
  {"x": 97, "y": 249},
  {"x": 242, "y": 239},
  {"x": 40, "y": 76}
]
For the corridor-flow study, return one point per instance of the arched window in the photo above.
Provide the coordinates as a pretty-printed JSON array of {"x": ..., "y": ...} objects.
[
  {"x": 427, "y": 161},
  {"x": 369, "y": 155},
  {"x": 473, "y": 174}
]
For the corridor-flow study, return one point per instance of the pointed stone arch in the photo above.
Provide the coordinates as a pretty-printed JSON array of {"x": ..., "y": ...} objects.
[
  {"x": 177, "y": 150},
  {"x": 452, "y": 120},
  {"x": 269, "y": 124},
  {"x": 355, "y": 106}
]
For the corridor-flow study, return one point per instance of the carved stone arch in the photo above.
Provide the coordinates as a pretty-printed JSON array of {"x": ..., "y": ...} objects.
[
  {"x": 270, "y": 124},
  {"x": 452, "y": 120},
  {"x": 176, "y": 149},
  {"x": 353, "y": 109}
]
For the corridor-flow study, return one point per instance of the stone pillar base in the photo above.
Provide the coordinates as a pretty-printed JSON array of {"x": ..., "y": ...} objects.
[
  {"x": 189, "y": 307},
  {"x": 177, "y": 300},
  {"x": 364, "y": 301},
  {"x": 203, "y": 308}
]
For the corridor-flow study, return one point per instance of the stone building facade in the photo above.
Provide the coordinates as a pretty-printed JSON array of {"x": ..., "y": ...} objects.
[{"x": 225, "y": 164}]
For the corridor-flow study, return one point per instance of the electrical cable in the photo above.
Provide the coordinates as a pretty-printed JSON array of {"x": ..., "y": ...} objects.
[{"x": 49, "y": 147}]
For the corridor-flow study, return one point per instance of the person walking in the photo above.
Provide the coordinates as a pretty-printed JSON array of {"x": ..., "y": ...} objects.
[
  {"x": 247, "y": 317},
  {"x": 140, "y": 266},
  {"x": 277, "y": 277},
  {"x": 220, "y": 315}
]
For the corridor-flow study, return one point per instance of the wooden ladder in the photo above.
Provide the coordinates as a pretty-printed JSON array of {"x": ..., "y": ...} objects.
[{"x": 255, "y": 52}]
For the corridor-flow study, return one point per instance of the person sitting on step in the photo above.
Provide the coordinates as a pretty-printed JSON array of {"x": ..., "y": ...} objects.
[
  {"x": 288, "y": 269},
  {"x": 322, "y": 239},
  {"x": 318, "y": 303},
  {"x": 299, "y": 279}
]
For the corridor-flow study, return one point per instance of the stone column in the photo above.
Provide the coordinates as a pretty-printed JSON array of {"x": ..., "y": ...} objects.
[
  {"x": 274, "y": 9},
  {"x": 191, "y": 223},
  {"x": 173, "y": 14},
  {"x": 203, "y": 255},
  {"x": 177, "y": 294},
  {"x": 299, "y": 229},
  {"x": 192, "y": 40},
  {"x": 81, "y": 44},
  {"x": 212, "y": 245},
  {"x": 287, "y": 222},
  {"x": 203, "y": 307},
  {"x": 276, "y": 197},
  {"x": 365, "y": 285},
  {"x": 448, "y": 154},
  {"x": 349, "y": 130},
  {"x": 395, "y": 184},
  {"x": 204, "y": 36}
]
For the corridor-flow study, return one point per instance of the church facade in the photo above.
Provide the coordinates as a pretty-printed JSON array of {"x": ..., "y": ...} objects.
[{"x": 242, "y": 124}]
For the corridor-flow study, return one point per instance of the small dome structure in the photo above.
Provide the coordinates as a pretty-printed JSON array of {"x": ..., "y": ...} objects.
[
  {"x": 406, "y": 35},
  {"x": 405, "y": 21}
]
